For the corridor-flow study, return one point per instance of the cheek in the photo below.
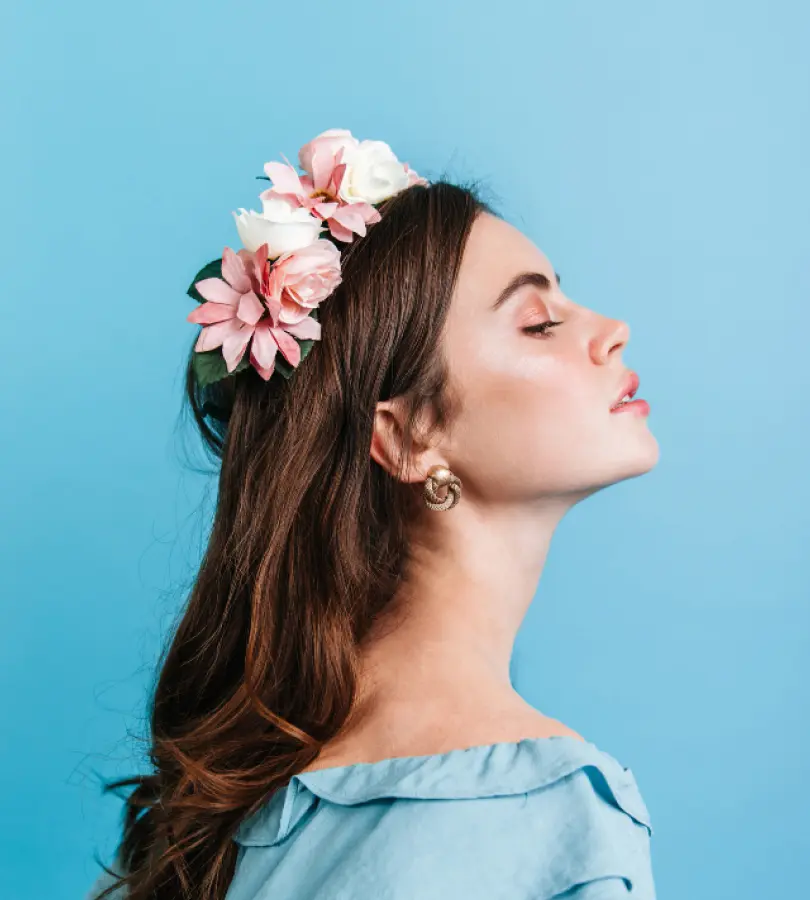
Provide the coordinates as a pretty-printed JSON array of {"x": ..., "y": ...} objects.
[
  {"x": 527, "y": 417},
  {"x": 523, "y": 381}
]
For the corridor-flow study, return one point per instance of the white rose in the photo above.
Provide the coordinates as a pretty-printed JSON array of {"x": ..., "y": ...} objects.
[
  {"x": 373, "y": 173},
  {"x": 280, "y": 225}
]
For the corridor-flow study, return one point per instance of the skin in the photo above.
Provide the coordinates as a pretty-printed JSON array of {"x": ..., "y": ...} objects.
[{"x": 534, "y": 438}]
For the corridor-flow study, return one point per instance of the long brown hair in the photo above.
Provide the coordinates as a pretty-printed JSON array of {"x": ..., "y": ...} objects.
[{"x": 307, "y": 548}]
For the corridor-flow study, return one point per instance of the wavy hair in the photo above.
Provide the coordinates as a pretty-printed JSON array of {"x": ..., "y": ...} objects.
[{"x": 308, "y": 546}]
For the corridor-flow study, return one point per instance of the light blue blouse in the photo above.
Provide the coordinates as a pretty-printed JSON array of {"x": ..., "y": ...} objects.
[{"x": 535, "y": 819}]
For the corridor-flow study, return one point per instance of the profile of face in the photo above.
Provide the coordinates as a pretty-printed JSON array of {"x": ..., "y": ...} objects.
[{"x": 535, "y": 421}]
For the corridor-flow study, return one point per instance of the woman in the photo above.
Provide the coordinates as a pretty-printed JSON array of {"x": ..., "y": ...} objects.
[{"x": 334, "y": 717}]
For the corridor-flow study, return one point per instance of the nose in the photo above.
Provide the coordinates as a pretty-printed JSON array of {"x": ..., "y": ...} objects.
[{"x": 613, "y": 335}]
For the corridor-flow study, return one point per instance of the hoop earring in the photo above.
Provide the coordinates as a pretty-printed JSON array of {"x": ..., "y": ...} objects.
[{"x": 439, "y": 477}]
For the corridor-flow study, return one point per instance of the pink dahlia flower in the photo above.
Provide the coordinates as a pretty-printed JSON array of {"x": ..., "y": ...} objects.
[
  {"x": 232, "y": 306},
  {"x": 239, "y": 307}
]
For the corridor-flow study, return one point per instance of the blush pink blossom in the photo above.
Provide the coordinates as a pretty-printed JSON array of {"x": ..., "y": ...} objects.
[
  {"x": 270, "y": 336},
  {"x": 300, "y": 280},
  {"x": 232, "y": 306},
  {"x": 238, "y": 307},
  {"x": 319, "y": 193}
]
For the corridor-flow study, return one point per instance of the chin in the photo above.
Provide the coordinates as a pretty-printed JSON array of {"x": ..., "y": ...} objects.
[
  {"x": 635, "y": 461},
  {"x": 640, "y": 460}
]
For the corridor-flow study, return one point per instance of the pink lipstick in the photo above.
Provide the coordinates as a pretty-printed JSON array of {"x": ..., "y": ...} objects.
[{"x": 624, "y": 401}]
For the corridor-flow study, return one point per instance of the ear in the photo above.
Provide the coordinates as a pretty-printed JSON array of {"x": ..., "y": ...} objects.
[{"x": 388, "y": 444}]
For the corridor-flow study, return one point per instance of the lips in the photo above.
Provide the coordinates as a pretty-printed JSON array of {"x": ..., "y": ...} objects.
[{"x": 630, "y": 387}]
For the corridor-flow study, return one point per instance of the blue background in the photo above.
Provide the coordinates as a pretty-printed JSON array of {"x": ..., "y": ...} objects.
[{"x": 657, "y": 152}]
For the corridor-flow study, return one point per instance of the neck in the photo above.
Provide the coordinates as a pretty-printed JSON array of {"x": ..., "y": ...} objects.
[{"x": 441, "y": 656}]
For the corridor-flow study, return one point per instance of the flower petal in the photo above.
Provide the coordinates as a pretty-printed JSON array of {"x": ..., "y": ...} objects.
[
  {"x": 251, "y": 309},
  {"x": 280, "y": 236},
  {"x": 340, "y": 232},
  {"x": 317, "y": 256},
  {"x": 296, "y": 201},
  {"x": 368, "y": 212},
  {"x": 289, "y": 346},
  {"x": 338, "y": 175},
  {"x": 285, "y": 179},
  {"x": 323, "y": 164},
  {"x": 334, "y": 139},
  {"x": 264, "y": 347},
  {"x": 218, "y": 291},
  {"x": 274, "y": 308},
  {"x": 233, "y": 346},
  {"x": 324, "y": 209},
  {"x": 351, "y": 218},
  {"x": 307, "y": 329},
  {"x": 254, "y": 262},
  {"x": 233, "y": 271},
  {"x": 292, "y": 312},
  {"x": 280, "y": 208},
  {"x": 212, "y": 336},
  {"x": 413, "y": 176},
  {"x": 265, "y": 373},
  {"x": 210, "y": 312}
]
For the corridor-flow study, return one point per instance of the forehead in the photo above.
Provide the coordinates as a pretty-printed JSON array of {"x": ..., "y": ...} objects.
[{"x": 494, "y": 253}]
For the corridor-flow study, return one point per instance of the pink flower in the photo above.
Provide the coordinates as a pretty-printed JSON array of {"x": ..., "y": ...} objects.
[
  {"x": 300, "y": 280},
  {"x": 327, "y": 144},
  {"x": 232, "y": 307},
  {"x": 319, "y": 193},
  {"x": 343, "y": 180},
  {"x": 413, "y": 176},
  {"x": 238, "y": 307},
  {"x": 270, "y": 337}
]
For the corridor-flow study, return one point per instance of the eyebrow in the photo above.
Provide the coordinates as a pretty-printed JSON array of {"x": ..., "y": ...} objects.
[{"x": 537, "y": 279}]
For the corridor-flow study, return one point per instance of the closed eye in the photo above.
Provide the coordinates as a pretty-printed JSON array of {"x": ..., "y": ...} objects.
[{"x": 542, "y": 328}]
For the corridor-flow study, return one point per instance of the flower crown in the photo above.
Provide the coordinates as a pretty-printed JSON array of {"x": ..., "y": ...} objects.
[{"x": 267, "y": 294}]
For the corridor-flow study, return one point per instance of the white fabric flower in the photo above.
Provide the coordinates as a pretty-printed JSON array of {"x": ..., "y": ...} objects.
[
  {"x": 282, "y": 226},
  {"x": 373, "y": 173}
]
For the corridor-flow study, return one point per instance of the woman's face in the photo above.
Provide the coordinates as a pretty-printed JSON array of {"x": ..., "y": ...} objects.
[{"x": 536, "y": 418}]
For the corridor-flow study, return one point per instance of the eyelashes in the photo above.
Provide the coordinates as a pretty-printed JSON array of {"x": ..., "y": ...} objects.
[{"x": 542, "y": 328}]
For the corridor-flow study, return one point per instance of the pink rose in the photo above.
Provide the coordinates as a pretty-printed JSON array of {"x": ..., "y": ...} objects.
[{"x": 300, "y": 280}]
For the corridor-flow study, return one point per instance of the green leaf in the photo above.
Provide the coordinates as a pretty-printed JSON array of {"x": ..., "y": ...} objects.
[
  {"x": 209, "y": 366},
  {"x": 209, "y": 270}
]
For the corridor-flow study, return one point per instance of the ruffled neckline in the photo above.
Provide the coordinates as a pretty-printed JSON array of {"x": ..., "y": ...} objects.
[{"x": 485, "y": 770}]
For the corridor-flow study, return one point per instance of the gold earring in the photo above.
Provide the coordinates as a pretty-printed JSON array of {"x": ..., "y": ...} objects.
[{"x": 438, "y": 477}]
